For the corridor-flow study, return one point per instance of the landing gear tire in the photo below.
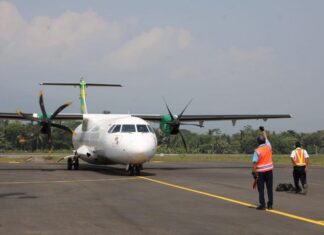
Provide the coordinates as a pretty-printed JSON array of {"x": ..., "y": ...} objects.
[
  {"x": 131, "y": 170},
  {"x": 73, "y": 163},
  {"x": 137, "y": 170},
  {"x": 69, "y": 163},
  {"x": 76, "y": 164},
  {"x": 134, "y": 170}
]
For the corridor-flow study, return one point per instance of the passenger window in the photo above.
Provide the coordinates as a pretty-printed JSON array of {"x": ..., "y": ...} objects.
[
  {"x": 116, "y": 129},
  {"x": 111, "y": 128},
  {"x": 142, "y": 128},
  {"x": 128, "y": 128}
]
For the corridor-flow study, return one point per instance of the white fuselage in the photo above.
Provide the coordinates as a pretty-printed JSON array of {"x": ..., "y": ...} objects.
[{"x": 114, "y": 139}]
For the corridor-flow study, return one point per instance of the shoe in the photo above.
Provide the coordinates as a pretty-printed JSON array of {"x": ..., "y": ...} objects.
[
  {"x": 297, "y": 190},
  {"x": 305, "y": 189},
  {"x": 260, "y": 207},
  {"x": 269, "y": 207}
]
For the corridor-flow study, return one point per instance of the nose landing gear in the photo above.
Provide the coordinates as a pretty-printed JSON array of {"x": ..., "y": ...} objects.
[
  {"x": 73, "y": 162},
  {"x": 134, "y": 169}
]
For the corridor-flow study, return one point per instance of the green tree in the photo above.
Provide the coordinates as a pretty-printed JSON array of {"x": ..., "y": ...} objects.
[{"x": 248, "y": 139}]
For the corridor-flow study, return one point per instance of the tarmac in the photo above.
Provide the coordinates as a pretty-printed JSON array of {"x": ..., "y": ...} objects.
[{"x": 168, "y": 198}]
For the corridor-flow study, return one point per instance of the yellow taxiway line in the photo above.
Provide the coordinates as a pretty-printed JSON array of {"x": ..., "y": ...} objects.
[
  {"x": 233, "y": 201},
  {"x": 65, "y": 181}
]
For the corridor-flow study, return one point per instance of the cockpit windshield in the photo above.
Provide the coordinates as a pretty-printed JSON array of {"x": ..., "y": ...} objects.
[
  {"x": 142, "y": 128},
  {"x": 128, "y": 128},
  {"x": 116, "y": 129},
  {"x": 111, "y": 128},
  {"x": 150, "y": 128}
]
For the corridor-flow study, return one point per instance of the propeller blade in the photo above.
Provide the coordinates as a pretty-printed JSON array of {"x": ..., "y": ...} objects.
[
  {"x": 25, "y": 116},
  {"x": 46, "y": 121},
  {"x": 60, "y": 109},
  {"x": 183, "y": 140},
  {"x": 65, "y": 128},
  {"x": 168, "y": 109},
  {"x": 41, "y": 104},
  {"x": 180, "y": 115},
  {"x": 49, "y": 138}
]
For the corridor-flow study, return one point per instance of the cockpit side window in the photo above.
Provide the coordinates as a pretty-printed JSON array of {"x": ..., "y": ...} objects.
[
  {"x": 116, "y": 129},
  {"x": 128, "y": 128},
  {"x": 111, "y": 128},
  {"x": 142, "y": 128},
  {"x": 150, "y": 128}
]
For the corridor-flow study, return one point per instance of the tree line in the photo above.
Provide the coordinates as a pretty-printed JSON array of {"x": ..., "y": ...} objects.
[{"x": 22, "y": 136}]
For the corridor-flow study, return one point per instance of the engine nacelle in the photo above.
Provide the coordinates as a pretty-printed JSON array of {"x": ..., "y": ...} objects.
[{"x": 169, "y": 126}]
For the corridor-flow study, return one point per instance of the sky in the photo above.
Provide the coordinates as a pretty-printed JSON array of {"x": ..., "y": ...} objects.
[{"x": 231, "y": 57}]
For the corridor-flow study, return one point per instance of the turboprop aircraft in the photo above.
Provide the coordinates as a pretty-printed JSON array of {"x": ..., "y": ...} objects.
[{"x": 126, "y": 139}]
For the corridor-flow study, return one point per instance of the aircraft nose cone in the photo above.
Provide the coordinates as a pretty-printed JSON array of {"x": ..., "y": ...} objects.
[{"x": 142, "y": 151}]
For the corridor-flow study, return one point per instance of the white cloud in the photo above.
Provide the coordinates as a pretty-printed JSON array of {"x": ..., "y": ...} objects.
[
  {"x": 148, "y": 48},
  {"x": 54, "y": 40},
  {"x": 10, "y": 22},
  {"x": 84, "y": 39}
]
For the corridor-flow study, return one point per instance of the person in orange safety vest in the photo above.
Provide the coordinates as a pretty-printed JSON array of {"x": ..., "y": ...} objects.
[
  {"x": 299, "y": 157},
  {"x": 262, "y": 168}
]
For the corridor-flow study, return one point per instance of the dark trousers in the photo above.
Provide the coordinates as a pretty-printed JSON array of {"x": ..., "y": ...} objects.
[
  {"x": 299, "y": 173},
  {"x": 267, "y": 179}
]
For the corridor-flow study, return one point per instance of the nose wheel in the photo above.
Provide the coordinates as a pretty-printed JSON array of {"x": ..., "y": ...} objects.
[
  {"x": 73, "y": 163},
  {"x": 134, "y": 169}
]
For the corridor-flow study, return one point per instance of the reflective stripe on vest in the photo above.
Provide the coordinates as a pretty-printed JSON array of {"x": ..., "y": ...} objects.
[
  {"x": 265, "y": 158},
  {"x": 299, "y": 157}
]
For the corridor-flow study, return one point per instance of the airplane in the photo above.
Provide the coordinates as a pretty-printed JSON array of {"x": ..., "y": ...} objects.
[{"x": 127, "y": 139}]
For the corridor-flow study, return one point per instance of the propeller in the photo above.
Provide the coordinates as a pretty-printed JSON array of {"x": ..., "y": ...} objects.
[
  {"x": 46, "y": 121},
  {"x": 175, "y": 122}
]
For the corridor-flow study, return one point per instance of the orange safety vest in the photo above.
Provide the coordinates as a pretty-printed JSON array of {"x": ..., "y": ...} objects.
[
  {"x": 264, "y": 163},
  {"x": 300, "y": 157}
]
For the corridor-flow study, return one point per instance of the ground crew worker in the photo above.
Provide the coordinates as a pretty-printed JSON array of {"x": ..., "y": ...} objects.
[
  {"x": 262, "y": 167},
  {"x": 299, "y": 157}
]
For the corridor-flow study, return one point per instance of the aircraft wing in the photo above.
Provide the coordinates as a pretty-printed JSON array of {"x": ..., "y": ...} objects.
[
  {"x": 69, "y": 117},
  {"x": 12, "y": 116},
  {"x": 188, "y": 118},
  {"x": 15, "y": 116}
]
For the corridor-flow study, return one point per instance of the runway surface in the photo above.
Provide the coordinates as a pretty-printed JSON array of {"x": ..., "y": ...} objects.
[{"x": 170, "y": 198}]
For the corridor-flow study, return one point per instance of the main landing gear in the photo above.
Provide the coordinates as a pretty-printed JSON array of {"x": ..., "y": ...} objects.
[
  {"x": 134, "y": 169},
  {"x": 73, "y": 163}
]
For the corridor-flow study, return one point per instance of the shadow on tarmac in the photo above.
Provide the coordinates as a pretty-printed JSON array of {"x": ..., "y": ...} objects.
[
  {"x": 16, "y": 196},
  {"x": 170, "y": 168},
  {"x": 102, "y": 169}
]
